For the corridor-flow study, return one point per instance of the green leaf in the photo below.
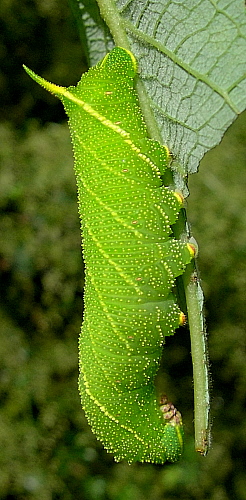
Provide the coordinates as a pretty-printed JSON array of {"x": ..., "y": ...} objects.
[{"x": 191, "y": 60}]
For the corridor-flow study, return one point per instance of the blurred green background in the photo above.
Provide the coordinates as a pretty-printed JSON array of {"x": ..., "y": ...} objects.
[{"x": 47, "y": 450}]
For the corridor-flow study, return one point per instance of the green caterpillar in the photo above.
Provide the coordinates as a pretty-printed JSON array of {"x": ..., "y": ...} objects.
[{"x": 131, "y": 261}]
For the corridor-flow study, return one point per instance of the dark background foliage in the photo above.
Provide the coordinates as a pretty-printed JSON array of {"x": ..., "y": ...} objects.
[{"x": 47, "y": 449}]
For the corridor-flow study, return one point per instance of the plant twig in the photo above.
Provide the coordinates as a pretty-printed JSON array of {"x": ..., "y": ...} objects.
[{"x": 199, "y": 353}]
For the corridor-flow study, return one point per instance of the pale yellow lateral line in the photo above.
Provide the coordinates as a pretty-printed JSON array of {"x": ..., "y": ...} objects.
[
  {"x": 118, "y": 268},
  {"x": 114, "y": 214},
  {"x": 108, "y": 123},
  {"x": 127, "y": 280},
  {"x": 108, "y": 315},
  {"x": 107, "y": 414}
]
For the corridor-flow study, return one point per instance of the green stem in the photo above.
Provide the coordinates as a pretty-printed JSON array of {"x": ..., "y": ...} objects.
[
  {"x": 114, "y": 21},
  {"x": 194, "y": 301},
  {"x": 199, "y": 353}
]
